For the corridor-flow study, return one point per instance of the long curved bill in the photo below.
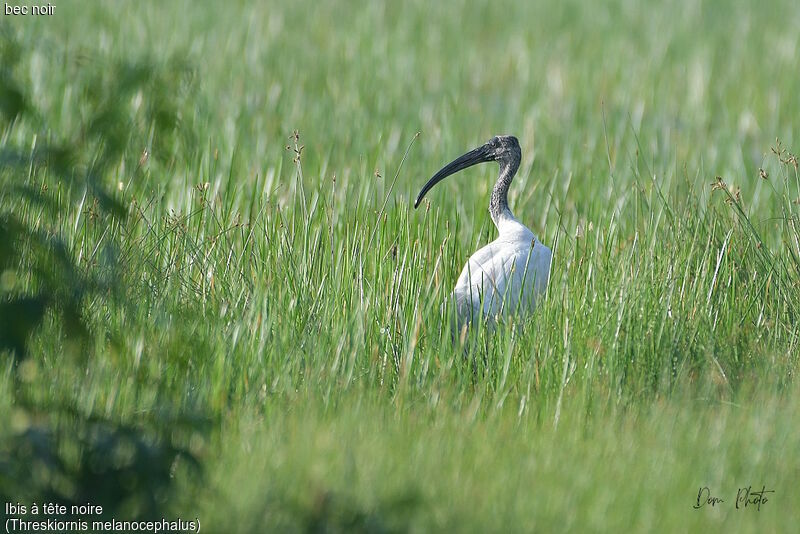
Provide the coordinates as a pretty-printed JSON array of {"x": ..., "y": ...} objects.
[{"x": 473, "y": 157}]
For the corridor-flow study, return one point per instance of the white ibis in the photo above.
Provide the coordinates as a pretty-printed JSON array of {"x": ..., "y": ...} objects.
[{"x": 507, "y": 275}]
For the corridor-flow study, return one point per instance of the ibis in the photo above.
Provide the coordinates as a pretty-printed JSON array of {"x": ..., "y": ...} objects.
[{"x": 509, "y": 274}]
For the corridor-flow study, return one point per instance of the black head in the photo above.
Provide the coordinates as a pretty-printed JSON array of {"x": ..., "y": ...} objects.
[{"x": 502, "y": 148}]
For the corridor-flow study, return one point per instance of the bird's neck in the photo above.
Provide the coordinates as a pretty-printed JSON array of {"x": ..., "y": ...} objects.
[{"x": 498, "y": 205}]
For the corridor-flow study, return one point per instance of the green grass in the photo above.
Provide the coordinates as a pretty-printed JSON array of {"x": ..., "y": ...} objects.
[{"x": 293, "y": 307}]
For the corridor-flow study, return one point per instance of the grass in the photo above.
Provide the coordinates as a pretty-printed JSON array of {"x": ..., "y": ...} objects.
[{"x": 268, "y": 314}]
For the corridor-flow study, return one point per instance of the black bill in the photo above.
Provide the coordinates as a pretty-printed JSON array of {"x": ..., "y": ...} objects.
[{"x": 479, "y": 155}]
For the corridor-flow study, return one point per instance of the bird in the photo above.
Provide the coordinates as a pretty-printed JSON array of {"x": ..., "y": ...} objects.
[{"x": 507, "y": 276}]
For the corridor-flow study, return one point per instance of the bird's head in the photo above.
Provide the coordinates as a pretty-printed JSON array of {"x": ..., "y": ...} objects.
[
  {"x": 503, "y": 147},
  {"x": 500, "y": 148}
]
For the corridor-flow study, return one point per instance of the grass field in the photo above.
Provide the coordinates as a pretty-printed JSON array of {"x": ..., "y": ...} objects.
[{"x": 207, "y": 317}]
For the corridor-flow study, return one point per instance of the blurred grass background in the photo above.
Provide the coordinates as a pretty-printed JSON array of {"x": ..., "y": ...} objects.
[{"x": 254, "y": 340}]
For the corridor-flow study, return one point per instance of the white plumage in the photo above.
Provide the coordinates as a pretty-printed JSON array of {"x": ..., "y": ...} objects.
[{"x": 505, "y": 276}]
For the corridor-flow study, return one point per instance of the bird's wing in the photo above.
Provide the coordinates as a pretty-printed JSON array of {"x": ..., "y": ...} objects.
[
  {"x": 484, "y": 280},
  {"x": 503, "y": 275}
]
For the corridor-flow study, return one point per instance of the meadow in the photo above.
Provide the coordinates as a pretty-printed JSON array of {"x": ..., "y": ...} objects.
[{"x": 218, "y": 303}]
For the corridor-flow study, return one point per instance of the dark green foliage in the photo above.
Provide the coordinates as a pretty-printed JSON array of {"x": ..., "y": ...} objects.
[
  {"x": 126, "y": 469},
  {"x": 111, "y": 132},
  {"x": 59, "y": 454}
]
